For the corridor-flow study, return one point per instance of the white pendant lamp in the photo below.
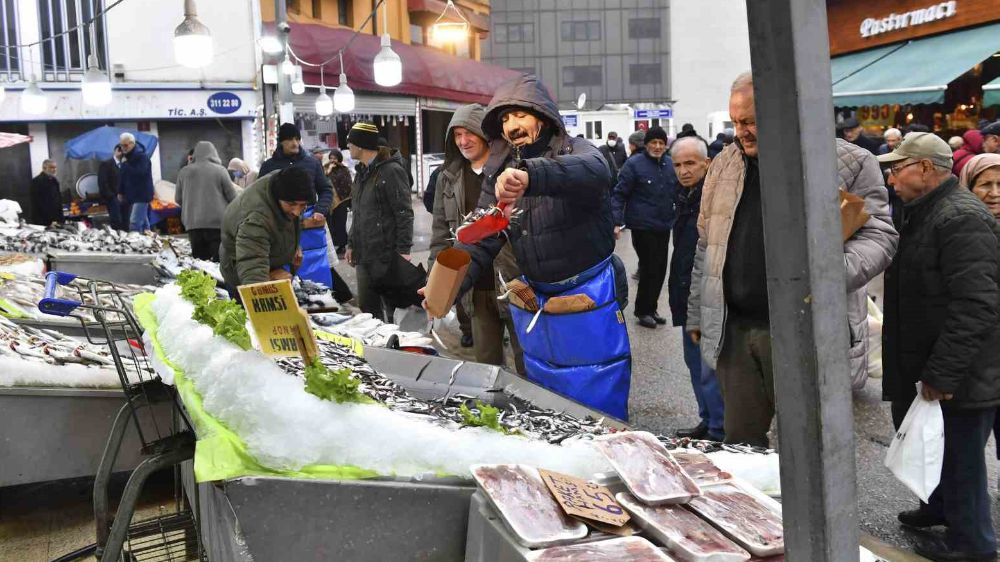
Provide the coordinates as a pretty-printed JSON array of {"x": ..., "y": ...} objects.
[
  {"x": 33, "y": 100},
  {"x": 388, "y": 66},
  {"x": 192, "y": 39},
  {"x": 343, "y": 97},
  {"x": 298, "y": 85},
  {"x": 287, "y": 66},
  {"x": 270, "y": 44},
  {"x": 3, "y": 93},
  {"x": 324, "y": 103}
]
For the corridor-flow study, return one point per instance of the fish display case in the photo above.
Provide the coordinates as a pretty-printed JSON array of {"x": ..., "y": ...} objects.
[
  {"x": 276, "y": 518},
  {"x": 117, "y": 268}
]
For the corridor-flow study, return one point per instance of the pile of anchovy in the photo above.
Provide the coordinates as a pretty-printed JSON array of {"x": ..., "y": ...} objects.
[
  {"x": 75, "y": 237},
  {"x": 516, "y": 415},
  {"x": 25, "y": 342},
  {"x": 171, "y": 262},
  {"x": 25, "y": 291}
]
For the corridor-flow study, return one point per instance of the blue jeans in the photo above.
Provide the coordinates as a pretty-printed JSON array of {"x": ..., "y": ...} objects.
[
  {"x": 138, "y": 219},
  {"x": 706, "y": 387}
]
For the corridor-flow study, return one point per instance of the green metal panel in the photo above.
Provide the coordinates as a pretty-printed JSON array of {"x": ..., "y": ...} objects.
[{"x": 991, "y": 93}]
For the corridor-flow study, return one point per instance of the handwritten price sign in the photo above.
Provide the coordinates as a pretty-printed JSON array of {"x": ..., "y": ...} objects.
[{"x": 584, "y": 499}]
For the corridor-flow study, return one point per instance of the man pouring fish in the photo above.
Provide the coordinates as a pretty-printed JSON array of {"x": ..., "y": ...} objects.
[{"x": 548, "y": 194}]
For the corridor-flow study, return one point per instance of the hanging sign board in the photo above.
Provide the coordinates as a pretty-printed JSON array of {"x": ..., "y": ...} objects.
[
  {"x": 584, "y": 499},
  {"x": 281, "y": 327}
]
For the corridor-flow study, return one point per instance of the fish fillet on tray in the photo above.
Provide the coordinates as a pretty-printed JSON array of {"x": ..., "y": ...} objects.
[
  {"x": 625, "y": 549},
  {"x": 526, "y": 506},
  {"x": 700, "y": 468},
  {"x": 742, "y": 517},
  {"x": 647, "y": 468},
  {"x": 688, "y": 537}
]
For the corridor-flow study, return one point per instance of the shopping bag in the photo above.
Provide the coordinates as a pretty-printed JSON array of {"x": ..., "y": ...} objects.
[
  {"x": 917, "y": 450},
  {"x": 874, "y": 340}
]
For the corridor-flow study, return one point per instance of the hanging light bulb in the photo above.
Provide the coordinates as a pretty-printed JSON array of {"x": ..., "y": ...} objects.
[
  {"x": 96, "y": 86},
  {"x": 33, "y": 100},
  {"x": 192, "y": 39},
  {"x": 388, "y": 66},
  {"x": 298, "y": 85},
  {"x": 324, "y": 104},
  {"x": 3, "y": 93},
  {"x": 270, "y": 44},
  {"x": 287, "y": 66},
  {"x": 343, "y": 97}
]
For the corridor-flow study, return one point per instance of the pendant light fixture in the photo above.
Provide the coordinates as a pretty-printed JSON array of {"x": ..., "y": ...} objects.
[
  {"x": 343, "y": 97},
  {"x": 447, "y": 32},
  {"x": 298, "y": 85},
  {"x": 287, "y": 66},
  {"x": 192, "y": 39},
  {"x": 270, "y": 44},
  {"x": 324, "y": 103},
  {"x": 3, "y": 93},
  {"x": 33, "y": 100},
  {"x": 388, "y": 66},
  {"x": 96, "y": 86}
]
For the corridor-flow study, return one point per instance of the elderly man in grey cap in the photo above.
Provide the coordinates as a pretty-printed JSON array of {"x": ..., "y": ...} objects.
[
  {"x": 942, "y": 308},
  {"x": 636, "y": 142}
]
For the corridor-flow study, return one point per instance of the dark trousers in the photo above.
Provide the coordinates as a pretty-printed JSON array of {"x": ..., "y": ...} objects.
[
  {"x": 115, "y": 217},
  {"x": 337, "y": 221},
  {"x": 205, "y": 243},
  {"x": 651, "y": 248},
  {"x": 341, "y": 290},
  {"x": 962, "y": 497},
  {"x": 369, "y": 299},
  {"x": 464, "y": 320},
  {"x": 746, "y": 377},
  {"x": 705, "y": 384}
]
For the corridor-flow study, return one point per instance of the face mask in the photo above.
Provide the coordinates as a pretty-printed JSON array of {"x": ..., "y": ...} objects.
[{"x": 612, "y": 142}]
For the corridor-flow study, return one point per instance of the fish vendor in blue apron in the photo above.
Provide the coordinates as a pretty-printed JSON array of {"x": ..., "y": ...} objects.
[{"x": 556, "y": 189}]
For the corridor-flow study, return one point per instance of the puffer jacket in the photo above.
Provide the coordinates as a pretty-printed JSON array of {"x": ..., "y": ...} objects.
[
  {"x": 204, "y": 189},
  {"x": 257, "y": 236},
  {"x": 565, "y": 224},
  {"x": 383, "y": 215},
  {"x": 324, "y": 190},
  {"x": 135, "y": 176},
  {"x": 973, "y": 146},
  {"x": 866, "y": 254},
  {"x": 942, "y": 297},
  {"x": 644, "y": 196}
]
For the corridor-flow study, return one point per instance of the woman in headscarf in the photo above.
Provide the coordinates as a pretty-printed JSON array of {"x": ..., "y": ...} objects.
[
  {"x": 981, "y": 175},
  {"x": 242, "y": 175}
]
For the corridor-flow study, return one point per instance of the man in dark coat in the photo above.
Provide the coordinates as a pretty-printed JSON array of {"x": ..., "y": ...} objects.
[
  {"x": 717, "y": 145},
  {"x": 290, "y": 153},
  {"x": 46, "y": 197},
  {"x": 382, "y": 229},
  {"x": 690, "y": 159},
  {"x": 643, "y": 201},
  {"x": 854, "y": 133},
  {"x": 614, "y": 152},
  {"x": 942, "y": 309},
  {"x": 107, "y": 183},
  {"x": 135, "y": 182}
]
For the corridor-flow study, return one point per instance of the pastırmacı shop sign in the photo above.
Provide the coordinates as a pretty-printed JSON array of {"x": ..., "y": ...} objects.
[{"x": 872, "y": 26}]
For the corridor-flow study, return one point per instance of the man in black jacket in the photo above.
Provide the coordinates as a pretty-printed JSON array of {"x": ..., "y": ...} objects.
[
  {"x": 107, "y": 183},
  {"x": 290, "y": 153},
  {"x": 46, "y": 197},
  {"x": 854, "y": 133},
  {"x": 614, "y": 152},
  {"x": 941, "y": 313}
]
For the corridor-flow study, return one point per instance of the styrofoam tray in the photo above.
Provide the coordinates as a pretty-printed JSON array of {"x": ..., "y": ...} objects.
[
  {"x": 647, "y": 468},
  {"x": 761, "y": 507},
  {"x": 624, "y": 549}
]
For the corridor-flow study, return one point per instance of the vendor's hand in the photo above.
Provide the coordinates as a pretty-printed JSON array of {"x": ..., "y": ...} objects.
[
  {"x": 297, "y": 260},
  {"x": 406, "y": 256},
  {"x": 933, "y": 394},
  {"x": 510, "y": 185},
  {"x": 278, "y": 275},
  {"x": 618, "y": 232},
  {"x": 349, "y": 257},
  {"x": 420, "y": 292},
  {"x": 695, "y": 336},
  {"x": 315, "y": 221}
]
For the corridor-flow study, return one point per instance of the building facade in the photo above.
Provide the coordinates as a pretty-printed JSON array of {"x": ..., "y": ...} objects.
[{"x": 151, "y": 92}]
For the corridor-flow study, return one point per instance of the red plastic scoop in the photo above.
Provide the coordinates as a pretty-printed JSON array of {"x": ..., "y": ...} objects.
[{"x": 492, "y": 222}]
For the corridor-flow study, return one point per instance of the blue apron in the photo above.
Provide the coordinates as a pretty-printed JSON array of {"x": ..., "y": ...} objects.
[
  {"x": 582, "y": 355},
  {"x": 315, "y": 263}
]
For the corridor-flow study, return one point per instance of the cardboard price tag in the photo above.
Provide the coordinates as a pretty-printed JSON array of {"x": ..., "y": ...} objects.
[
  {"x": 584, "y": 499},
  {"x": 282, "y": 328}
]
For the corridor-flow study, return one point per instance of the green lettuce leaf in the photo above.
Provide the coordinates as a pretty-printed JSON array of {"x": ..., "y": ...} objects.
[{"x": 337, "y": 385}]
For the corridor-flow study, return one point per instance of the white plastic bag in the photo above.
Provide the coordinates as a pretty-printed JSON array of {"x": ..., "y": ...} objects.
[
  {"x": 917, "y": 450},
  {"x": 874, "y": 340}
]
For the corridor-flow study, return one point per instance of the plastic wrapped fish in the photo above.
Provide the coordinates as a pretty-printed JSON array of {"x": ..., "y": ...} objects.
[
  {"x": 526, "y": 505},
  {"x": 686, "y": 536},
  {"x": 700, "y": 468},
  {"x": 625, "y": 549},
  {"x": 742, "y": 517},
  {"x": 647, "y": 468}
]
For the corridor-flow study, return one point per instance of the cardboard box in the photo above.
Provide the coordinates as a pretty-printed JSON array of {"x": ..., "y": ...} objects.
[
  {"x": 444, "y": 281},
  {"x": 852, "y": 214}
]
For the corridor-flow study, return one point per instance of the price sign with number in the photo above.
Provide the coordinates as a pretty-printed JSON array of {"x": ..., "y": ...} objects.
[
  {"x": 584, "y": 499},
  {"x": 280, "y": 325}
]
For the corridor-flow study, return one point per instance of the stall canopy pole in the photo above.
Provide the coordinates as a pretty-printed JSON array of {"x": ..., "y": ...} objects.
[{"x": 790, "y": 56}]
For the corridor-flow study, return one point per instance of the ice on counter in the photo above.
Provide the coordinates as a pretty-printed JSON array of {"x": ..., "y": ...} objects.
[{"x": 286, "y": 428}]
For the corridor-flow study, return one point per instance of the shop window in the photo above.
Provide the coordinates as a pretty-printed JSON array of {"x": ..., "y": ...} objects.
[
  {"x": 344, "y": 16},
  {"x": 514, "y": 33},
  {"x": 589, "y": 75},
  {"x": 644, "y": 73},
  {"x": 581, "y": 31},
  {"x": 644, "y": 28},
  {"x": 317, "y": 6},
  {"x": 10, "y": 62},
  {"x": 67, "y": 54}
]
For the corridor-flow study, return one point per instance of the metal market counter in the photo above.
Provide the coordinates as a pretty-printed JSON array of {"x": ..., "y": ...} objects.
[
  {"x": 272, "y": 518},
  {"x": 136, "y": 269}
]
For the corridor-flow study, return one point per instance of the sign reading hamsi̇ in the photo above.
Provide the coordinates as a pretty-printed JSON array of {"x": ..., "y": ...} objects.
[{"x": 281, "y": 327}]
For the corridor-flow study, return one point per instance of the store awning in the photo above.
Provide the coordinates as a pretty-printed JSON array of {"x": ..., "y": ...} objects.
[
  {"x": 991, "y": 93},
  {"x": 919, "y": 71},
  {"x": 844, "y": 66},
  {"x": 427, "y": 72}
]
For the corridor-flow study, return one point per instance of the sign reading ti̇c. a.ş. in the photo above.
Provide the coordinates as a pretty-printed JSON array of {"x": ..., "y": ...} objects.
[
  {"x": 282, "y": 328},
  {"x": 584, "y": 499}
]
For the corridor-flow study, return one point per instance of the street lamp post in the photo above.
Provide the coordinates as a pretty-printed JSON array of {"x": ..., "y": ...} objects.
[
  {"x": 790, "y": 56},
  {"x": 284, "y": 80}
]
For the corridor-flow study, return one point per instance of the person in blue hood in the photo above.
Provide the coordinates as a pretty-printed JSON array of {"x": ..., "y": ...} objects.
[
  {"x": 135, "y": 182},
  {"x": 290, "y": 153}
]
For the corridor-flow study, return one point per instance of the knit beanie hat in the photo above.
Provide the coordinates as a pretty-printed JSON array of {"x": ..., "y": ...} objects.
[
  {"x": 293, "y": 184},
  {"x": 638, "y": 138},
  {"x": 288, "y": 131},
  {"x": 364, "y": 135},
  {"x": 655, "y": 133}
]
